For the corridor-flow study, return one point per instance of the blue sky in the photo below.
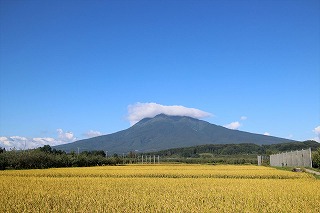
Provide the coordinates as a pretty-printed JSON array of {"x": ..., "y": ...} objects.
[{"x": 71, "y": 68}]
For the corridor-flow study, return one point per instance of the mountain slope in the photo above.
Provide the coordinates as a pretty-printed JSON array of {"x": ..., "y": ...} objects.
[{"x": 165, "y": 132}]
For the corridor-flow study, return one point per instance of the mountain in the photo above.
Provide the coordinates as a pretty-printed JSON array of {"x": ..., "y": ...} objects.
[{"x": 165, "y": 132}]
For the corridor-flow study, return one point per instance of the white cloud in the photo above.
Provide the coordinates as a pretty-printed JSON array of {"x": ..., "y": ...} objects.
[
  {"x": 92, "y": 133},
  {"x": 4, "y": 141},
  {"x": 18, "y": 142},
  {"x": 65, "y": 136},
  {"x": 138, "y": 111},
  {"x": 19, "y": 138},
  {"x": 233, "y": 125},
  {"x": 236, "y": 124},
  {"x": 317, "y": 132},
  {"x": 243, "y": 118},
  {"x": 267, "y": 133}
]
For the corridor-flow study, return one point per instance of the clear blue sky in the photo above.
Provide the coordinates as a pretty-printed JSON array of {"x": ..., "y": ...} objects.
[{"x": 77, "y": 65}]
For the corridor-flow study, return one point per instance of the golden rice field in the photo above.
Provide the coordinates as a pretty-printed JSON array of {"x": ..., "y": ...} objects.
[{"x": 159, "y": 188}]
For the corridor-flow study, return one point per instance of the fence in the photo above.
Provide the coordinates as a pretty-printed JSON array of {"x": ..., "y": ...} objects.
[
  {"x": 263, "y": 159},
  {"x": 293, "y": 158},
  {"x": 149, "y": 159}
]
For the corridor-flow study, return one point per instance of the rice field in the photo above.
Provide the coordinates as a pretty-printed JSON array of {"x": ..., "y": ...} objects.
[{"x": 159, "y": 188}]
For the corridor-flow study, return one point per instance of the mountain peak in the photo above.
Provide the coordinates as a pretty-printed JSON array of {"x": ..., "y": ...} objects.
[
  {"x": 174, "y": 117},
  {"x": 165, "y": 117},
  {"x": 162, "y": 115}
]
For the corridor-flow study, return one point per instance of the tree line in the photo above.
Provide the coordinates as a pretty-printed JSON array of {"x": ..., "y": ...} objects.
[{"x": 47, "y": 157}]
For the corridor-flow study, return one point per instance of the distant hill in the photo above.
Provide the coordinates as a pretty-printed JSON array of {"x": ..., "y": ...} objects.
[
  {"x": 236, "y": 149},
  {"x": 165, "y": 132}
]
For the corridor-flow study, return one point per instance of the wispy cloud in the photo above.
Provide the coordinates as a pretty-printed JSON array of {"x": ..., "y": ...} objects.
[
  {"x": 92, "y": 133},
  {"x": 243, "y": 118},
  {"x": 233, "y": 125},
  {"x": 266, "y": 133},
  {"x": 138, "y": 111}
]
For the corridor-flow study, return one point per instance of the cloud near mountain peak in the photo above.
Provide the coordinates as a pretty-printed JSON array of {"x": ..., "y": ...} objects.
[{"x": 138, "y": 111}]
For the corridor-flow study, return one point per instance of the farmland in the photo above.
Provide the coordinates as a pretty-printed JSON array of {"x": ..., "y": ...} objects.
[{"x": 159, "y": 188}]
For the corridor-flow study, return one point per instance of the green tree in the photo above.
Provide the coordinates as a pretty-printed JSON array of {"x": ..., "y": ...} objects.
[
  {"x": 2, "y": 150},
  {"x": 46, "y": 148},
  {"x": 3, "y": 161},
  {"x": 316, "y": 159}
]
